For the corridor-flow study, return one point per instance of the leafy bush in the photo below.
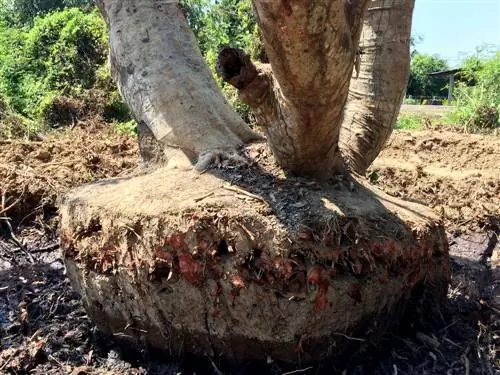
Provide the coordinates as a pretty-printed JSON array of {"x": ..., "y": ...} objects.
[
  {"x": 225, "y": 23},
  {"x": 478, "y": 105},
  {"x": 411, "y": 100},
  {"x": 58, "y": 56},
  {"x": 409, "y": 122},
  {"x": 23, "y": 12},
  {"x": 13, "y": 125},
  {"x": 128, "y": 127}
]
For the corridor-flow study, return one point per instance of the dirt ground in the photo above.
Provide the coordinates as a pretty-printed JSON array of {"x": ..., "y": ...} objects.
[{"x": 45, "y": 330}]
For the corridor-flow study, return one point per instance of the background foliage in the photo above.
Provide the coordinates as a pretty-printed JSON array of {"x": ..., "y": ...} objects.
[
  {"x": 54, "y": 69},
  {"x": 420, "y": 85},
  {"x": 478, "y": 94}
]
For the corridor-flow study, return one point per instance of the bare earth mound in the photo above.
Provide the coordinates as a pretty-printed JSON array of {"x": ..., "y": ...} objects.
[
  {"x": 456, "y": 174},
  {"x": 34, "y": 173}
]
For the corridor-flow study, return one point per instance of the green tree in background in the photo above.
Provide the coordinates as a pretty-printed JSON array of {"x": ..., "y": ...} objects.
[
  {"x": 23, "y": 12},
  {"x": 59, "y": 56},
  {"x": 420, "y": 84},
  {"x": 223, "y": 23},
  {"x": 477, "y": 94}
]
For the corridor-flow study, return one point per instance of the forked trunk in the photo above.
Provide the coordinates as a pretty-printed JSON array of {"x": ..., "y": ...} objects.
[
  {"x": 311, "y": 48},
  {"x": 264, "y": 268},
  {"x": 162, "y": 76},
  {"x": 375, "y": 96}
]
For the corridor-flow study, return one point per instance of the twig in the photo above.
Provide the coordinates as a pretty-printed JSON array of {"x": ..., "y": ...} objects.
[
  {"x": 244, "y": 192},
  {"x": 348, "y": 337},
  {"x": 51, "y": 357},
  {"x": 246, "y": 230},
  {"x": 14, "y": 239},
  {"x": 298, "y": 371},
  {"x": 45, "y": 249},
  {"x": 217, "y": 371},
  {"x": 203, "y": 197},
  {"x": 466, "y": 364},
  {"x": 5, "y": 209},
  {"x": 453, "y": 343},
  {"x": 131, "y": 230}
]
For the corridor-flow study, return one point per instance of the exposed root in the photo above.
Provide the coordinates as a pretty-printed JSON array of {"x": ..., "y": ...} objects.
[{"x": 220, "y": 159}]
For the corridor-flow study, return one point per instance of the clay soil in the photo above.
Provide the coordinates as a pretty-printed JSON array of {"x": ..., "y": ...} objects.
[{"x": 45, "y": 330}]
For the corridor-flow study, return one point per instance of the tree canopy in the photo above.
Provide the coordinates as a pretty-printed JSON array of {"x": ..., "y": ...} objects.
[
  {"x": 420, "y": 84},
  {"x": 23, "y": 12}
]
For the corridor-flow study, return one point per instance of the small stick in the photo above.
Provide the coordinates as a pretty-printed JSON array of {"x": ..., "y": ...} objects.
[
  {"x": 348, "y": 337},
  {"x": 46, "y": 249},
  {"x": 14, "y": 239},
  {"x": 203, "y": 197},
  {"x": 217, "y": 371},
  {"x": 246, "y": 230},
  {"x": 466, "y": 364},
  {"x": 297, "y": 371},
  {"x": 5, "y": 209},
  {"x": 244, "y": 192}
]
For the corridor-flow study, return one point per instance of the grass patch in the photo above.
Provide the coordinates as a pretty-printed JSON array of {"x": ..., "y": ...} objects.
[{"x": 409, "y": 122}]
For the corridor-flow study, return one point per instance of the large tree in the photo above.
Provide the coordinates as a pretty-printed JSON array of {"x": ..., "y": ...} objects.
[
  {"x": 189, "y": 266},
  {"x": 299, "y": 98},
  {"x": 420, "y": 84}
]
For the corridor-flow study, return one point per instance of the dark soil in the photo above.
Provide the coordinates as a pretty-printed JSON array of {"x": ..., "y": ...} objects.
[{"x": 45, "y": 330}]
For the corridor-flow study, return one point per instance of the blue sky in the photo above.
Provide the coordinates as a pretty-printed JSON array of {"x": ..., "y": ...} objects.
[{"x": 454, "y": 28}]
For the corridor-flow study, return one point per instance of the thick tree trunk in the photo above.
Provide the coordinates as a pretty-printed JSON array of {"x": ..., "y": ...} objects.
[
  {"x": 377, "y": 92},
  {"x": 311, "y": 49},
  {"x": 162, "y": 76}
]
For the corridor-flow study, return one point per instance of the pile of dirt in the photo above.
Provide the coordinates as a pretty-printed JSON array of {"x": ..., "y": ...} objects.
[
  {"x": 457, "y": 174},
  {"x": 33, "y": 174}
]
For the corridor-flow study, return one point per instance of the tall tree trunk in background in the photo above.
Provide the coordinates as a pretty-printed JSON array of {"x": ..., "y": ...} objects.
[
  {"x": 375, "y": 96},
  {"x": 311, "y": 48},
  {"x": 162, "y": 76}
]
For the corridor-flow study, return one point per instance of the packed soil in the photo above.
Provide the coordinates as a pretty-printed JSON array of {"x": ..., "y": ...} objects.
[
  {"x": 456, "y": 174},
  {"x": 45, "y": 330},
  {"x": 33, "y": 174}
]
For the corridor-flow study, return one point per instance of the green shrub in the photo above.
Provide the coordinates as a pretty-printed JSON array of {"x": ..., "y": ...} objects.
[
  {"x": 115, "y": 108},
  {"x": 478, "y": 105},
  {"x": 23, "y": 12},
  {"x": 128, "y": 127},
  {"x": 485, "y": 118},
  {"x": 412, "y": 101},
  {"x": 408, "y": 122},
  {"x": 13, "y": 125},
  {"x": 58, "y": 56}
]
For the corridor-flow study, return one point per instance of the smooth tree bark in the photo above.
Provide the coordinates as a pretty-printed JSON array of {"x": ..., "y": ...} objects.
[
  {"x": 162, "y": 76},
  {"x": 376, "y": 93}
]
